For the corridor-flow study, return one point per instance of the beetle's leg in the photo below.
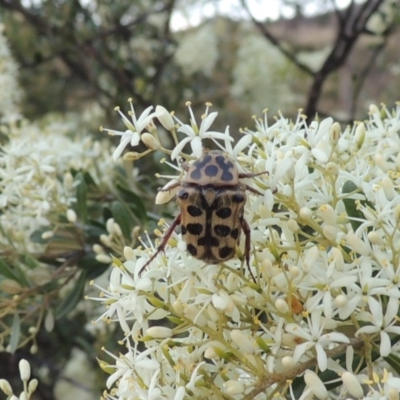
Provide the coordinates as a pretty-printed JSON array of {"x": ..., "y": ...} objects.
[
  {"x": 251, "y": 174},
  {"x": 247, "y": 246},
  {"x": 252, "y": 190},
  {"x": 164, "y": 242}
]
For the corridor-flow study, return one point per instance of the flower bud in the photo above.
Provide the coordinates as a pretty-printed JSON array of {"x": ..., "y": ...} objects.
[
  {"x": 24, "y": 370},
  {"x": 33, "y": 384},
  {"x": 315, "y": 384},
  {"x": 281, "y": 306},
  {"x": 71, "y": 215},
  {"x": 356, "y": 244},
  {"x": 244, "y": 341},
  {"x": 150, "y": 141},
  {"x": 159, "y": 332},
  {"x": 330, "y": 232},
  {"x": 287, "y": 362},
  {"x": 334, "y": 132},
  {"x": 305, "y": 213},
  {"x": 234, "y": 387},
  {"x": 47, "y": 235},
  {"x": 165, "y": 118},
  {"x": 359, "y": 135},
  {"x": 104, "y": 258},
  {"x": 328, "y": 214},
  {"x": 131, "y": 156},
  {"x": 49, "y": 321},
  {"x": 129, "y": 254},
  {"x": 352, "y": 384},
  {"x": 5, "y": 387}
]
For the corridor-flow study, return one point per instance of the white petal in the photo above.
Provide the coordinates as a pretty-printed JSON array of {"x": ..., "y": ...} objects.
[
  {"x": 122, "y": 144},
  {"x": 242, "y": 144},
  {"x": 320, "y": 155},
  {"x": 197, "y": 147},
  {"x": 207, "y": 122},
  {"x": 386, "y": 345},
  {"x": 187, "y": 130},
  {"x": 216, "y": 135},
  {"x": 135, "y": 139},
  {"x": 369, "y": 329},
  {"x": 376, "y": 311},
  {"x": 179, "y": 147},
  {"x": 300, "y": 350},
  {"x": 391, "y": 310},
  {"x": 180, "y": 393},
  {"x": 321, "y": 357},
  {"x": 335, "y": 337}
]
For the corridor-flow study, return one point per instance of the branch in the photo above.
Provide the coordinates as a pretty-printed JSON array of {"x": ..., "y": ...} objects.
[
  {"x": 275, "y": 42},
  {"x": 347, "y": 35},
  {"x": 298, "y": 370}
]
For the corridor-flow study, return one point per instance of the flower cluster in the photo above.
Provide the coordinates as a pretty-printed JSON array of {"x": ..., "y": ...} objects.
[
  {"x": 325, "y": 253},
  {"x": 29, "y": 385}
]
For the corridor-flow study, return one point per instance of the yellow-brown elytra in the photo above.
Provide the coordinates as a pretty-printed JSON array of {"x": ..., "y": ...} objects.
[{"x": 211, "y": 200}]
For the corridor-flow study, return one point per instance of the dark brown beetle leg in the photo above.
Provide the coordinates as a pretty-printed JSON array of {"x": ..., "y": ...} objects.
[
  {"x": 252, "y": 175},
  {"x": 252, "y": 190},
  {"x": 161, "y": 247},
  {"x": 247, "y": 246}
]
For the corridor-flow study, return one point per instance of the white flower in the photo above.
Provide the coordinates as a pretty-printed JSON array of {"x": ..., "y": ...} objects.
[
  {"x": 134, "y": 129},
  {"x": 313, "y": 337},
  {"x": 195, "y": 134},
  {"x": 382, "y": 324}
]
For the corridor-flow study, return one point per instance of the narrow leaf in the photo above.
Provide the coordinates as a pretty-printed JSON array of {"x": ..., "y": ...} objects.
[
  {"x": 81, "y": 197},
  {"x": 15, "y": 333},
  {"x": 75, "y": 295}
]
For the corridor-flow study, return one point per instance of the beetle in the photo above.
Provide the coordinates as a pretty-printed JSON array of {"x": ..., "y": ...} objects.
[{"x": 211, "y": 199}]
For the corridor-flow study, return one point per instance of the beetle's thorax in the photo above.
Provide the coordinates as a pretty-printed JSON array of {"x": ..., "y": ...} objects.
[{"x": 214, "y": 169}]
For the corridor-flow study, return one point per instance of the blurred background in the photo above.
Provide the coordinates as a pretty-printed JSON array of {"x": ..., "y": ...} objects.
[{"x": 85, "y": 57}]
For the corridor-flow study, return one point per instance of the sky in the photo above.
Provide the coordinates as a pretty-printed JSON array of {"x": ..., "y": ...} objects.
[{"x": 261, "y": 9}]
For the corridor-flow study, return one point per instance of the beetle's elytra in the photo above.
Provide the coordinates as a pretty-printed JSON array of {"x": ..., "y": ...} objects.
[{"x": 211, "y": 199}]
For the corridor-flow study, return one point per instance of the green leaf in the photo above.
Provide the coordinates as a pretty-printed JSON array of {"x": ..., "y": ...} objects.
[
  {"x": 92, "y": 267},
  {"x": 15, "y": 333},
  {"x": 394, "y": 361},
  {"x": 74, "y": 296},
  {"x": 7, "y": 271},
  {"x": 134, "y": 201},
  {"x": 30, "y": 261},
  {"x": 13, "y": 272},
  {"x": 36, "y": 236},
  {"x": 81, "y": 197},
  {"x": 123, "y": 217},
  {"x": 351, "y": 204}
]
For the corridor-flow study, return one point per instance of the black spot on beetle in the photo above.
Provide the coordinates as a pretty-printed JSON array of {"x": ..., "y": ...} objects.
[
  {"x": 211, "y": 170},
  {"x": 192, "y": 250},
  {"x": 225, "y": 252},
  {"x": 214, "y": 242},
  {"x": 225, "y": 165},
  {"x": 235, "y": 233},
  {"x": 183, "y": 229},
  {"x": 224, "y": 212},
  {"x": 238, "y": 198},
  {"x": 183, "y": 194},
  {"x": 208, "y": 241},
  {"x": 194, "y": 229},
  {"x": 198, "y": 165},
  {"x": 194, "y": 211},
  {"x": 222, "y": 230}
]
